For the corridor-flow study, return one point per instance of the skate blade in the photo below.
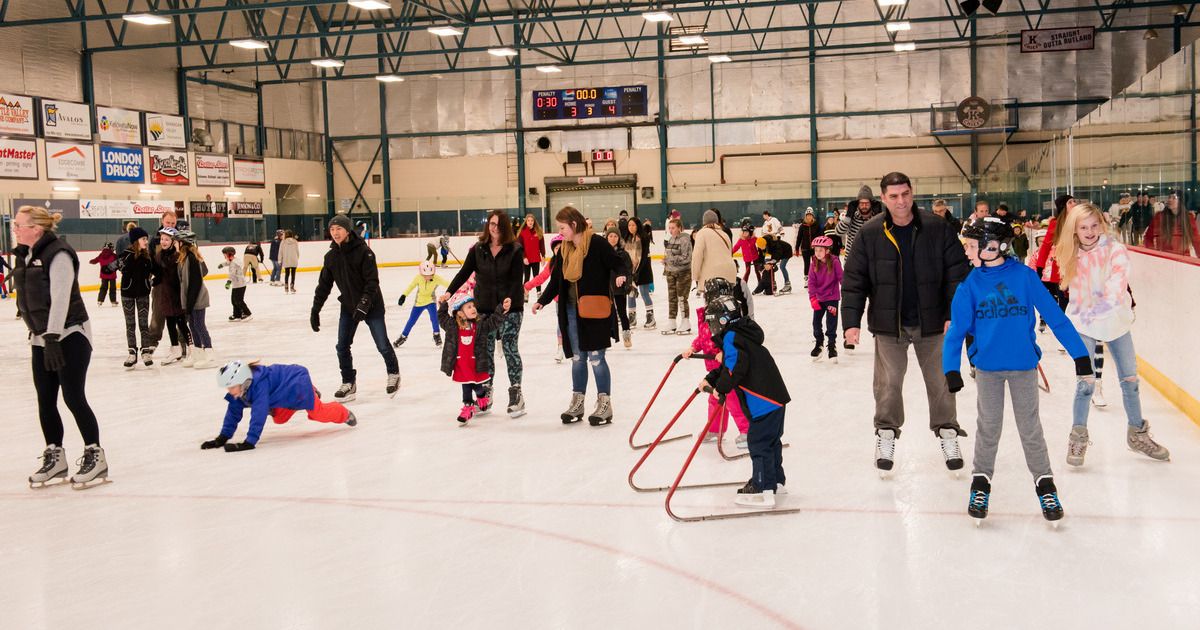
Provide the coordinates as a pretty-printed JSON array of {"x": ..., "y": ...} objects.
[
  {"x": 516, "y": 414},
  {"x": 49, "y": 483},
  {"x": 978, "y": 522},
  {"x": 86, "y": 485},
  {"x": 683, "y": 333}
]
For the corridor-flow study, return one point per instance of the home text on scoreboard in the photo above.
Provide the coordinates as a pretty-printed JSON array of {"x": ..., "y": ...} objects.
[{"x": 589, "y": 102}]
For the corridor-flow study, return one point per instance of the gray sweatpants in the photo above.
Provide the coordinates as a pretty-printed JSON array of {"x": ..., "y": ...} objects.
[
  {"x": 891, "y": 363},
  {"x": 1024, "y": 387}
]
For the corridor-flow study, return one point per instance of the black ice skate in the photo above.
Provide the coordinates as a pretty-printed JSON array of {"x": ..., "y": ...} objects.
[
  {"x": 817, "y": 351},
  {"x": 346, "y": 393},
  {"x": 981, "y": 490},
  {"x": 950, "y": 450},
  {"x": 350, "y": 421},
  {"x": 885, "y": 450},
  {"x": 516, "y": 402},
  {"x": 833, "y": 354},
  {"x": 847, "y": 345},
  {"x": 399, "y": 341},
  {"x": 131, "y": 360},
  {"x": 1048, "y": 497},
  {"x": 437, "y": 339}
]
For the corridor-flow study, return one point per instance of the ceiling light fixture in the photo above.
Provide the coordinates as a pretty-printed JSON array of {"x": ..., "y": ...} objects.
[
  {"x": 150, "y": 191},
  {"x": 327, "y": 63},
  {"x": 445, "y": 31},
  {"x": 389, "y": 78},
  {"x": 905, "y": 46},
  {"x": 657, "y": 16},
  {"x": 369, "y": 5},
  {"x": 502, "y": 52},
  {"x": 692, "y": 40},
  {"x": 892, "y": 3},
  {"x": 892, "y": 27},
  {"x": 549, "y": 69},
  {"x": 1150, "y": 34},
  {"x": 66, "y": 189},
  {"x": 249, "y": 44},
  {"x": 313, "y": 195},
  {"x": 720, "y": 58},
  {"x": 233, "y": 193},
  {"x": 146, "y": 19}
]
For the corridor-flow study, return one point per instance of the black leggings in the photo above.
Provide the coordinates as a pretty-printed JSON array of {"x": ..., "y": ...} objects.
[
  {"x": 532, "y": 270},
  {"x": 289, "y": 276},
  {"x": 71, "y": 379},
  {"x": 108, "y": 287},
  {"x": 623, "y": 312},
  {"x": 176, "y": 326}
]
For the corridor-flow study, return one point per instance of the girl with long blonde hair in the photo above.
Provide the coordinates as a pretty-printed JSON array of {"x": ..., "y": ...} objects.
[{"x": 1094, "y": 269}]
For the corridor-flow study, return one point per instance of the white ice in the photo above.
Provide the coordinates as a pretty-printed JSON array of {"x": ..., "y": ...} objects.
[{"x": 410, "y": 521}]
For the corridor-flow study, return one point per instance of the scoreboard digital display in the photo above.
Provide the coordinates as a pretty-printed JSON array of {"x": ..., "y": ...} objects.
[{"x": 601, "y": 102}]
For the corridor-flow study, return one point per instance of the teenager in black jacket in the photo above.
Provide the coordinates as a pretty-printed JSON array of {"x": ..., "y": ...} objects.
[
  {"x": 137, "y": 276},
  {"x": 350, "y": 264}
]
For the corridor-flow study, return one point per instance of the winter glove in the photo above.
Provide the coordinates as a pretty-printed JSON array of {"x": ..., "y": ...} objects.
[
  {"x": 238, "y": 447},
  {"x": 314, "y": 320},
  {"x": 816, "y": 306},
  {"x": 359, "y": 314},
  {"x": 402, "y": 298},
  {"x": 1083, "y": 366},
  {"x": 954, "y": 381},
  {"x": 214, "y": 443},
  {"x": 228, "y": 283},
  {"x": 53, "y": 354},
  {"x": 832, "y": 310},
  {"x": 364, "y": 307}
]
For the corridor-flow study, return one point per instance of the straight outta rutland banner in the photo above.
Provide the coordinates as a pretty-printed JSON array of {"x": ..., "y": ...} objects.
[{"x": 122, "y": 164}]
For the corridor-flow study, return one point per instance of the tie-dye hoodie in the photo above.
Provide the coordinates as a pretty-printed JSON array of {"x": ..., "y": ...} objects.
[{"x": 1101, "y": 306}]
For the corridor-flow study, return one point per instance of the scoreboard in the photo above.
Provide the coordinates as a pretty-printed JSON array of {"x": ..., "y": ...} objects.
[{"x": 589, "y": 102}]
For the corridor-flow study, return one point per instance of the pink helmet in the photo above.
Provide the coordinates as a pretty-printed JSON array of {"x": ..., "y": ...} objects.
[
  {"x": 427, "y": 268},
  {"x": 822, "y": 241}
]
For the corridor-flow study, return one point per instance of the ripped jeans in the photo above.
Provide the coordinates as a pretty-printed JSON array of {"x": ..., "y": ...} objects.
[
  {"x": 1121, "y": 351},
  {"x": 581, "y": 360}
]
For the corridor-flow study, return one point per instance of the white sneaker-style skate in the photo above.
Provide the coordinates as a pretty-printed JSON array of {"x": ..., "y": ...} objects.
[
  {"x": 131, "y": 360},
  {"x": 751, "y": 496},
  {"x": 685, "y": 328},
  {"x": 175, "y": 356},
  {"x": 558, "y": 353},
  {"x": 203, "y": 358},
  {"x": 92, "y": 467},
  {"x": 148, "y": 357},
  {"x": 54, "y": 466},
  {"x": 950, "y": 450},
  {"x": 188, "y": 357},
  {"x": 1098, "y": 400},
  {"x": 393, "y": 385},
  {"x": 885, "y": 450}
]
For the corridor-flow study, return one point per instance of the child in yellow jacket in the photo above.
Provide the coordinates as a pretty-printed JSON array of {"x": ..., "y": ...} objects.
[{"x": 426, "y": 285}]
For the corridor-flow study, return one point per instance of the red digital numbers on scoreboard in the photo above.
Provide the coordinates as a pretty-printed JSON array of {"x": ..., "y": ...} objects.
[{"x": 602, "y": 155}]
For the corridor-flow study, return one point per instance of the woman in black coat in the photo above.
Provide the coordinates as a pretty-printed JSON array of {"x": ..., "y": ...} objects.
[
  {"x": 637, "y": 244},
  {"x": 137, "y": 275},
  {"x": 586, "y": 317},
  {"x": 498, "y": 261}
]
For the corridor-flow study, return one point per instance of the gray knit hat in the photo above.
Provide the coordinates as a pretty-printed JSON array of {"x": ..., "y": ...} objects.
[
  {"x": 342, "y": 221},
  {"x": 865, "y": 193},
  {"x": 709, "y": 217}
]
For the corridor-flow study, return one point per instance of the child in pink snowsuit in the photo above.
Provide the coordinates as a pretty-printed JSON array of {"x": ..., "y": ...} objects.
[{"x": 703, "y": 344}]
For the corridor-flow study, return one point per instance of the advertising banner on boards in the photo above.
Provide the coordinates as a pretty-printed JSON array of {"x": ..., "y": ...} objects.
[
  {"x": 123, "y": 209},
  {"x": 245, "y": 208},
  {"x": 163, "y": 130},
  {"x": 16, "y": 115},
  {"x": 249, "y": 172},
  {"x": 68, "y": 208},
  {"x": 213, "y": 169},
  {"x": 18, "y": 159},
  {"x": 74, "y": 161},
  {"x": 64, "y": 119},
  {"x": 169, "y": 168},
  {"x": 121, "y": 126},
  {"x": 122, "y": 164},
  {"x": 217, "y": 210}
]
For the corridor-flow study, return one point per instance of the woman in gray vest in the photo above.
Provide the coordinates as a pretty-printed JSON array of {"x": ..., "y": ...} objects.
[{"x": 46, "y": 279}]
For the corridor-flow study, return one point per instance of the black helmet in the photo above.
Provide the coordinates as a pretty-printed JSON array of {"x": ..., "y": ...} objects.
[
  {"x": 718, "y": 286},
  {"x": 721, "y": 310},
  {"x": 185, "y": 236},
  {"x": 989, "y": 229}
]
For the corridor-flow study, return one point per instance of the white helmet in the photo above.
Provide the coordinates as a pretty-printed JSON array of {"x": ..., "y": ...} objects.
[
  {"x": 426, "y": 268},
  {"x": 234, "y": 373}
]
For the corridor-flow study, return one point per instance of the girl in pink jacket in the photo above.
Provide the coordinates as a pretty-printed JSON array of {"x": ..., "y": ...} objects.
[
  {"x": 703, "y": 344},
  {"x": 747, "y": 245}
]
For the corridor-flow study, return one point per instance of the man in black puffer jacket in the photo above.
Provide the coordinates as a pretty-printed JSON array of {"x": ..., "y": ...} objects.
[
  {"x": 350, "y": 264},
  {"x": 908, "y": 262}
]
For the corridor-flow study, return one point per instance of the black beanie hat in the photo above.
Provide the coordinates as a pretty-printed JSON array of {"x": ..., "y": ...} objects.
[{"x": 137, "y": 233}]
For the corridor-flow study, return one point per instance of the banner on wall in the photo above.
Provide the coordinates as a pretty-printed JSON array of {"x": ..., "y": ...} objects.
[
  {"x": 249, "y": 172},
  {"x": 70, "y": 160},
  {"x": 121, "y": 126},
  {"x": 212, "y": 169},
  {"x": 18, "y": 159},
  {"x": 16, "y": 115},
  {"x": 245, "y": 208},
  {"x": 208, "y": 210},
  {"x": 169, "y": 168},
  {"x": 1058, "y": 39},
  {"x": 122, "y": 164},
  {"x": 123, "y": 209},
  {"x": 68, "y": 208},
  {"x": 64, "y": 119},
  {"x": 163, "y": 130}
]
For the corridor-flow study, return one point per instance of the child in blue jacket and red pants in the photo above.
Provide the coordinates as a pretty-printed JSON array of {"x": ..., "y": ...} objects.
[{"x": 270, "y": 390}]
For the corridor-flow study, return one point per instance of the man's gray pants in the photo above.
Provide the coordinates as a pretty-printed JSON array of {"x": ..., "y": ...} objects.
[{"x": 891, "y": 363}]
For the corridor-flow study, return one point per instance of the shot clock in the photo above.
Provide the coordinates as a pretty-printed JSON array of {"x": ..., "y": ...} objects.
[{"x": 589, "y": 102}]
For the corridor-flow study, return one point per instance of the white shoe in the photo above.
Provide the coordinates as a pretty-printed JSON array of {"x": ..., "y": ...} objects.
[
  {"x": 1098, "y": 396},
  {"x": 762, "y": 500},
  {"x": 175, "y": 356},
  {"x": 686, "y": 328},
  {"x": 203, "y": 358},
  {"x": 189, "y": 356}
]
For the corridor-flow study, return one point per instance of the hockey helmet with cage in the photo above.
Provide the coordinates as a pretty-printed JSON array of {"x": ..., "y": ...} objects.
[
  {"x": 235, "y": 373},
  {"x": 721, "y": 310}
]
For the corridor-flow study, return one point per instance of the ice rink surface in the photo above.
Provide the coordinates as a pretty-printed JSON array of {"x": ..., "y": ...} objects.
[{"x": 409, "y": 521}]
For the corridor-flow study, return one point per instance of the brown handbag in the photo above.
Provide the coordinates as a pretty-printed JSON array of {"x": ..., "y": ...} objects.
[{"x": 595, "y": 306}]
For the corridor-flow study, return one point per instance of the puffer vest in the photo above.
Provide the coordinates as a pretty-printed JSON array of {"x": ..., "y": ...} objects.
[{"x": 32, "y": 282}]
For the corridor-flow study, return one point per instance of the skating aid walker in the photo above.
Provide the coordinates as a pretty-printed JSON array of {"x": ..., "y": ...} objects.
[{"x": 674, "y": 362}]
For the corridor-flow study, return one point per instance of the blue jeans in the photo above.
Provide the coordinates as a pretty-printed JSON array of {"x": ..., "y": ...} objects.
[
  {"x": 644, "y": 289},
  {"x": 1121, "y": 351},
  {"x": 783, "y": 267},
  {"x": 200, "y": 338},
  {"x": 346, "y": 329},
  {"x": 579, "y": 375},
  {"x": 276, "y": 268}
]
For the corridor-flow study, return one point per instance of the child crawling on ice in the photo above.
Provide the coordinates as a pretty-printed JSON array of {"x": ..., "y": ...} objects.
[{"x": 270, "y": 390}]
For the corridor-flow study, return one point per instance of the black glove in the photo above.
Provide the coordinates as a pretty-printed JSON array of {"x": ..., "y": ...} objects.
[
  {"x": 219, "y": 441},
  {"x": 364, "y": 307},
  {"x": 1083, "y": 366},
  {"x": 314, "y": 320},
  {"x": 53, "y": 356},
  {"x": 954, "y": 381},
  {"x": 402, "y": 298},
  {"x": 238, "y": 446},
  {"x": 359, "y": 314}
]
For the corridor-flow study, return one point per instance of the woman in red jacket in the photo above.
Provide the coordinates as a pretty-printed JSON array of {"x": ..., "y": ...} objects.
[
  {"x": 533, "y": 241},
  {"x": 1173, "y": 230}
]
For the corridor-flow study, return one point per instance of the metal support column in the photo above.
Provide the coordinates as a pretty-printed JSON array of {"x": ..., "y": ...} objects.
[
  {"x": 86, "y": 75},
  {"x": 385, "y": 148},
  {"x": 519, "y": 134},
  {"x": 814, "y": 192},
  {"x": 1191, "y": 195},
  {"x": 260, "y": 130},
  {"x": 662, "y": 124},
  {"x": 329, "y": 198},
  {"x": 973, "y": 54}
]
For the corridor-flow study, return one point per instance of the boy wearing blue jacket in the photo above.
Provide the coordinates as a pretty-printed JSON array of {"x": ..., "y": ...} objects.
[
  {"x": 270, "y": 390},
  {"x": 996, "y": 305},
  {"x": 749, "y": 372}
]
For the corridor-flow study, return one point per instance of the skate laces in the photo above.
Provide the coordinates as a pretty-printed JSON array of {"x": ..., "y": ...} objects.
[
  {"x": 1050, "y": 501},
  {"x": 87, "y": 462},
  {"x": 979, "y": 498},
  {"x": 950, "y": 447},
  {"x": 49, "y": 459},
  {"x": 885, "y": 446},
  {"x": 1077, "y": 445}
]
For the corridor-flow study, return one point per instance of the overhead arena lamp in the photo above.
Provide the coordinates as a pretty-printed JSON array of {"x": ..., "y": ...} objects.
[
  {"x": 905, "y": 46},
  {"x": 66, "y": 189},
  {"x": 445, "y": 31},
  {"x": 369, "y": 5},
  {"x": 893, "y": 27},
  {"x": 502, "y": 52},
  {"x": 969, "y": 7},
  {"x": 389, "y": 78},
  {"x": 147, "y": 19},
  {"x": 657, "y": 16},
  {"x": 249, "y": 44},
  {"x": 233, "y": 193},
  {"x": 720, "y": 58},
  {"x": 313, "y": 195},
  {"x": 327, "y": 63},
  {"x": 892, "y": 3},
  {"x": 692, "y": 40},
  {"x": 150, "y": 191},
  {"x": 549, "y": 69}
]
